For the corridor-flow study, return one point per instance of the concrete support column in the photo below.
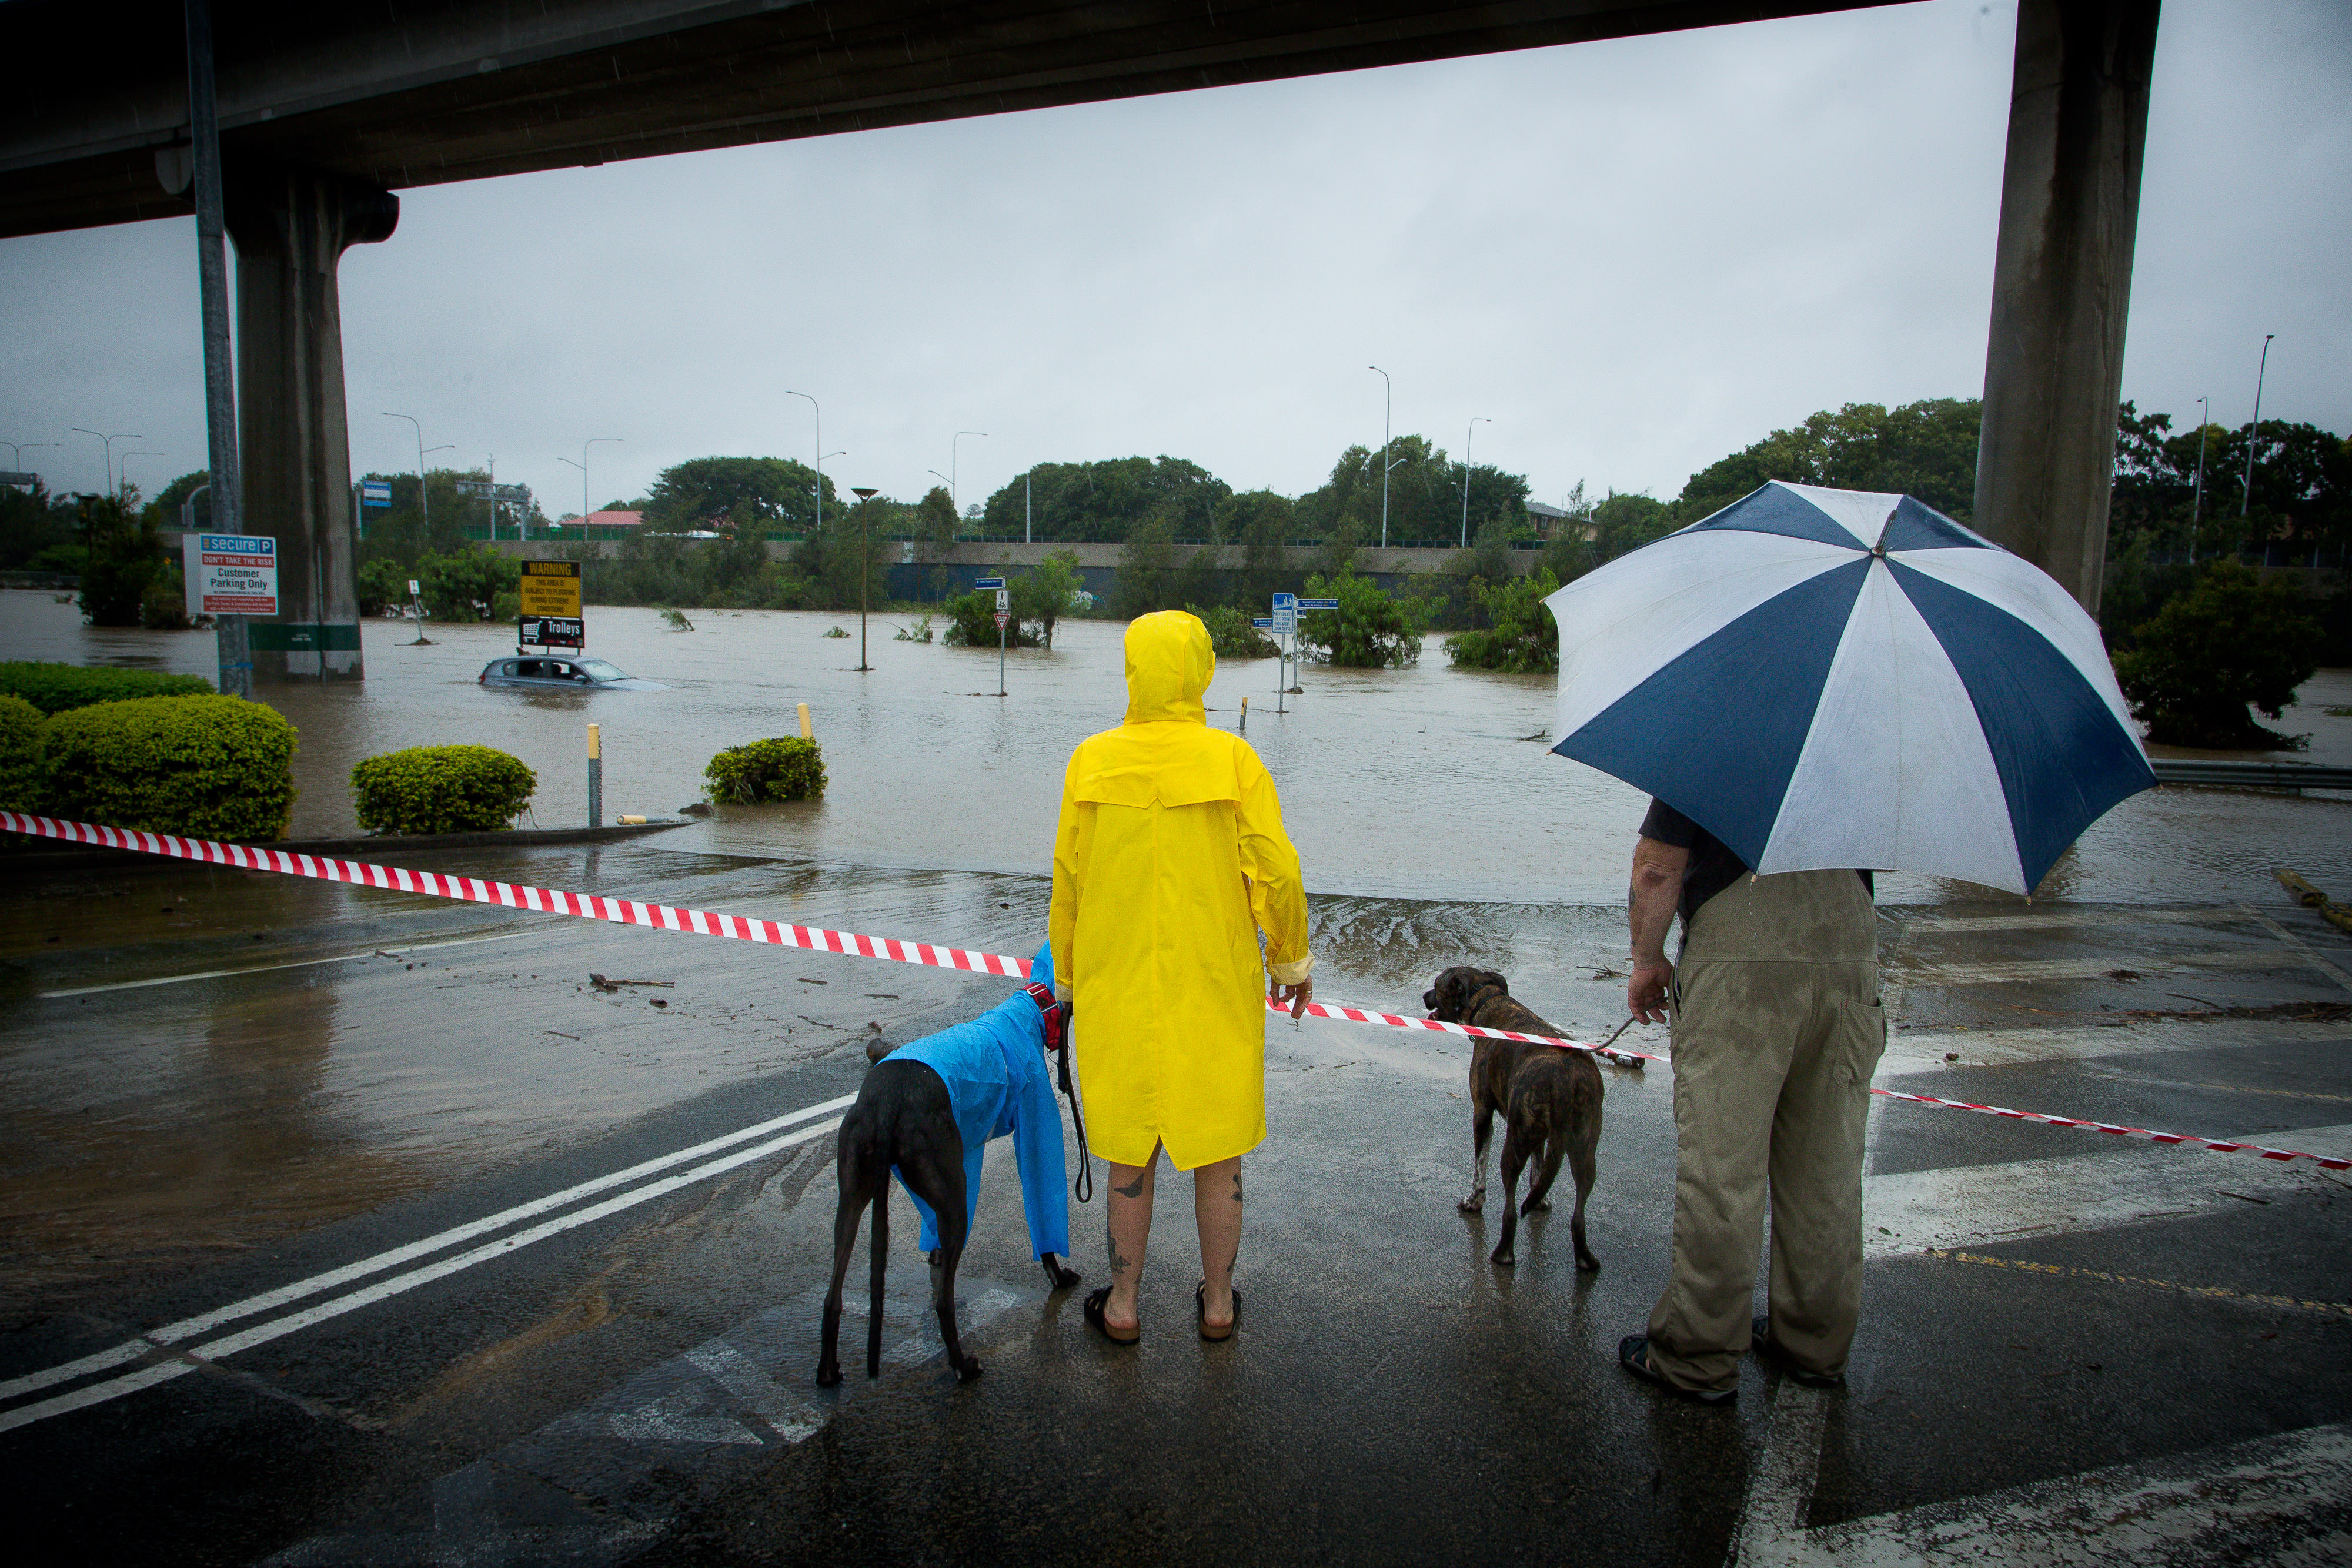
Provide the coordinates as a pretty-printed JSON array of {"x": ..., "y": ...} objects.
[
  {"x": 292, "y": 228},
  {"x": 2062, "y": 282}
]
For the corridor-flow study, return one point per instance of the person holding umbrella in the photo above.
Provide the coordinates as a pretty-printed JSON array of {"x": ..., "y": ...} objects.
[{"x": 1809, "y": 682}]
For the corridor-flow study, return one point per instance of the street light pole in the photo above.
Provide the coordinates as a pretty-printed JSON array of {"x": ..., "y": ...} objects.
[
  {"x": 584, "y": 502},
  {"x": 424, "y": 496},
  {"x": 820, "y": 480},
  {"x": 16, "y": 450},
  {"x": 2254, "y": 431},
  {"x": 1387, "y": 402},
  {"x": 951, "y": 463},
  {"x": 864, "y": 524},
  {"x": 2197, "y": 504},
  {"x": 1466, "y": 434},
  {"x": 124, "y": 469},
  {"x": 107, "y": 443}
]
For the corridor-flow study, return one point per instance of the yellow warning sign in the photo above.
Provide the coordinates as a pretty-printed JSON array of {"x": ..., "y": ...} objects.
[{"x": 550, "y": 588}]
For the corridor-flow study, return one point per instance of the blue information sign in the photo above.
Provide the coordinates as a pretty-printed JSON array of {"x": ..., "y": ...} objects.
[
  {"x": 1318, "y": 604},
  {"x": 988, "y": 582},
  {"x": 374, "y": 493}
]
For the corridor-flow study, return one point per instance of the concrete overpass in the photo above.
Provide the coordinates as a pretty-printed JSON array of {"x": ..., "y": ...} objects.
[{"x": 326, "y": 110}]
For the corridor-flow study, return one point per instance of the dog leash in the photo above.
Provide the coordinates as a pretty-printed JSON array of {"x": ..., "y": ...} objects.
[{"x": 1057, "y": 1042}]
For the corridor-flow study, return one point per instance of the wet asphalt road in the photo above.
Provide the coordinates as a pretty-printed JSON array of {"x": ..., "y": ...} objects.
[{"x": 2039, "y": 1303}]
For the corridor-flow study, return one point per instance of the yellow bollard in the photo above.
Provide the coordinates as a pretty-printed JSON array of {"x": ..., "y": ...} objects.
[
  {"x": 806, "y": 733},
  {"x": 596, "y": 779}
]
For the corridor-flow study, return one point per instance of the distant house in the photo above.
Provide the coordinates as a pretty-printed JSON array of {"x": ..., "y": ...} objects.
[
  {"x": 1552, "y": 523},
  {"x": 600, "y": 526}
]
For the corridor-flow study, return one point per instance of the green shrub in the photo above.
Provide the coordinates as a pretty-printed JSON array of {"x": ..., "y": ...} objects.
[
  {"x": 20, "y": 758},
  {"x": 53, "y": 688},
  {"x": 782, "y": 769},
  {"x": 440, "y": 789},
  {"x": 1522, "y": 639},
  {"x": 2233, "y": 640},
  {"x": 1232, "y": 635},
  {"x": 206, "y": 767},
  {"x": 1371, "y": 630}
]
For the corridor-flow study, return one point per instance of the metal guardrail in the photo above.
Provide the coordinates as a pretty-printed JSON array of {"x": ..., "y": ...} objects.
[{"x": 2296, "y": 775}]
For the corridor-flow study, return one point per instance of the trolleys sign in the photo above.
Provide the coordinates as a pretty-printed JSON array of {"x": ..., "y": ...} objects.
[
  {"x": 230, "y": 574},
  {"x": 549, "y": 593}
]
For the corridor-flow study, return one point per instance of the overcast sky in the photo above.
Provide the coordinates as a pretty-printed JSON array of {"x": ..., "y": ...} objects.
[{"x": 1632, "y": 257}]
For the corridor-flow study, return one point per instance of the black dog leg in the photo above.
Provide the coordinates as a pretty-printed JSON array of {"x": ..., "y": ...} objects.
[
  {"x": 857, "y": 1169},
  {"x": 881, "y": 1267},
  {"x": 1514, "y": 1159},
  {"x": 1481, "y": 1133},
  {"x": 1581, "y": 1167},
  {"x": 1538, "y": 1203},
  {"x": 1062, "y": 1278}
]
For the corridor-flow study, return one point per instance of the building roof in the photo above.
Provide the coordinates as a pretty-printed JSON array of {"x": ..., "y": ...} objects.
[{"x": 603, "y": 519}]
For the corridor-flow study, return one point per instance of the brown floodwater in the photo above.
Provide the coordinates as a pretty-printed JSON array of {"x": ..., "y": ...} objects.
[{"x": 1422, "y": 783}]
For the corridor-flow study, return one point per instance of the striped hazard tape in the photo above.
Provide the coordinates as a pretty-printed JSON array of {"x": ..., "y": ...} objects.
[{"x": 851, "y": 944}]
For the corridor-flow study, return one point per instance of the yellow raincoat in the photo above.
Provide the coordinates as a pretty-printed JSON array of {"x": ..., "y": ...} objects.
[{"x": 1168, "y": 861}]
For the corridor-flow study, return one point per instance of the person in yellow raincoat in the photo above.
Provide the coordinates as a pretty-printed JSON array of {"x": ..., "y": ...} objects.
[{"x": 1169, "y": 861}]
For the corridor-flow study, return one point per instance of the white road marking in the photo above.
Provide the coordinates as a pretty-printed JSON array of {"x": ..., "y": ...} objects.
[
  {"x": 792, "y": 1419},
  {"x": 1963, "y": 1205},
  {"x": 2310, "y": 953},
  {"x": 1916, "y": 973},
  {"x": 1781, "y": 1488},
  {"x": 267, "y": 968},
  {"x": 2273, "y": 1499},
  {"x": 2070, "y": 919},
  {"x": 204, "y": 1322},
  {"x": 1908, "y": 1051}
]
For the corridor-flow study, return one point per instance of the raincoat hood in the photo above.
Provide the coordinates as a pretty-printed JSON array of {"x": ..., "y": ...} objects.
[{"x": 1169, "y": 662}]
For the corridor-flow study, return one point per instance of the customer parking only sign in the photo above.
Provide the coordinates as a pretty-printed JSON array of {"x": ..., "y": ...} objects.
[{"x": 230, "y": 574}]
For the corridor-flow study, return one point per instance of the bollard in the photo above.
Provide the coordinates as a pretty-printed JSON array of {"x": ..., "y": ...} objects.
[
  {"x": 806, "y": 733},
  {"x": 1243, "y": 728},
  {"x": 595, "y": 780}
]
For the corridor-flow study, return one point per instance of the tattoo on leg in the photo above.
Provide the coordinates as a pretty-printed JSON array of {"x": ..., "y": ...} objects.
[
  {"x": 1237, "y": 1184},
  {"x": 1135, "y": 1191},
  {"x": 1117, "y": 1262}
]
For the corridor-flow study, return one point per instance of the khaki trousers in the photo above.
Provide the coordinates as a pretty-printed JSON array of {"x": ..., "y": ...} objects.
[{"x": 1777, "y": 1030}]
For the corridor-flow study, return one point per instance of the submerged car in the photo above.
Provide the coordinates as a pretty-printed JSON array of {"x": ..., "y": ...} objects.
[{"x": 544, "y": 673}]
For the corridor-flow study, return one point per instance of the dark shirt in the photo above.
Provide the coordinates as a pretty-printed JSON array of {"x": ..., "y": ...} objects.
[{"x": 1712, "y": 866}]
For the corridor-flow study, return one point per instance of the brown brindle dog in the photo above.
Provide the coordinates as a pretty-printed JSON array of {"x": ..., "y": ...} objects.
[{"x": 1550, "y": 1097}]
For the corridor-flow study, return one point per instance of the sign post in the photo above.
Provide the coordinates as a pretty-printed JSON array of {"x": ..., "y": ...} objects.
[
  {"x": 230, "y": 577},
  {"x": 1306, "y": 604},
  {"x": 547, "y": 596},
  {"x": 1003, "y": 614},
  {"x": 1284, "y": 625}
]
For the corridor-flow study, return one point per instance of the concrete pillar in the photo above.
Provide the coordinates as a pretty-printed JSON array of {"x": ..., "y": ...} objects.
[
  {"x": 292, "y": 228},
  {"x": 2062, "y": 282}
]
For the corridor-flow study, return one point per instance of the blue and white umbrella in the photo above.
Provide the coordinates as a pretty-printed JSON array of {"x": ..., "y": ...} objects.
[{"x": 1837, "y": 679}]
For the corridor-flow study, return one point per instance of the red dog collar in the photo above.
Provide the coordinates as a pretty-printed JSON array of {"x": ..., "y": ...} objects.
[{"x": 1055, "y": 1014}]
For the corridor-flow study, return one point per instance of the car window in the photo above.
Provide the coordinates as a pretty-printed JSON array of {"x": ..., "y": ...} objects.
[
  {"x": 526, "y": 669},
  {"x": 597, "y": 669}
]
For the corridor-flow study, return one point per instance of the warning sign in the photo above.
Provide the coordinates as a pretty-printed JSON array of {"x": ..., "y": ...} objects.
[
  {"x": 230, "y": 574},
  {"x": 550, "y": 588}
]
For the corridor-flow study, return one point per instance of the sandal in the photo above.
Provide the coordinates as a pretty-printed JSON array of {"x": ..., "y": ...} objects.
[
  {"x": 1200, "y": 1305},
  {"x": 1101, "y": 1325},
  {"x": 1768, "y": 1350},
  {"x": 1633, "y": 1355}
]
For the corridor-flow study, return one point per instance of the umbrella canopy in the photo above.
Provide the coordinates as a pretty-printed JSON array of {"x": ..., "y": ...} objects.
[{"x": 1839, "y": 678}]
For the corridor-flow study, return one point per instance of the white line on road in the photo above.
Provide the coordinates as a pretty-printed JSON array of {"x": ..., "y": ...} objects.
[
  {"x": 228, "y": 1345},
  {"x": 267, "y": 968},
  {"x": 2069, "y": 919},
  {"x": 269, "y": 1301},
  {"x": 1924, "y": 973},
  {"x": 2300, "y": 945}
]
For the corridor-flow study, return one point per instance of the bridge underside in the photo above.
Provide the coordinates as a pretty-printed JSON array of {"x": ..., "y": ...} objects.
[{"x": 326, "y": 110}]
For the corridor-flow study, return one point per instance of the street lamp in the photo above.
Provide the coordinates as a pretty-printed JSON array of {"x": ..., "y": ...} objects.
[
  {"x": 2197, "y": 505},
  {"x": 865, "y": 565},
  {"x": 952, "y": 462},
  {"x": 1388, "y": 400},
  {"x": 17, "y": 449},
  {"x": 122, "y": 469},
  {"x": 822, "y": 458},
  {"x": 2254, "y": 431},
  {"x": 108, "y": 441},
  {"x": 424, "y": 498},
  {"x": 820, "y": 478},
  {"x": 583, "y": 467},
  {"x": 1466, "y": 434}
]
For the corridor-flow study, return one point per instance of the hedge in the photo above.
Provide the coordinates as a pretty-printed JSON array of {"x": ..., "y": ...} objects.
[
  {"x": 55, "y": 688},
  {"x": 441, "y": 790},
  {"x": 783, "y": 769},
  {"x": 20, "y": 757},
  {"x": 205, "y": 766}
]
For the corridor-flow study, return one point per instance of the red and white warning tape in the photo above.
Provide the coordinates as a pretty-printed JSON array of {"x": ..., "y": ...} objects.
[{"x": 850, "y": 944}]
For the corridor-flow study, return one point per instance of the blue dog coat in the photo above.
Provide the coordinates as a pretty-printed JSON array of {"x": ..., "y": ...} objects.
[{"x": 994, "y": 1067}]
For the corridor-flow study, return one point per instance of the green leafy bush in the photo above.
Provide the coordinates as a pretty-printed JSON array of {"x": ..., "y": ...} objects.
[
  {"x": 382, "y": 585},
  {"x": 788, "y": 768},
  {"x": 206, "y": 767},
  {"x": 53, "y": 688},
  {"x": 971, "y": 623},
  {"x": 440, "y": 789},
  {"x": 2233, "y": 640},
  {"x": 1522, "y": 639},
  {"x": 1232, "y": 635},
  {"x": 1371, "y": 630},
  {"x": 20, "y": 757}
]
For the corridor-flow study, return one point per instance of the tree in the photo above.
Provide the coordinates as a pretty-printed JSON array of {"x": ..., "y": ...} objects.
[
  {"x": 1623, "y": 523},
  {"x": 1106, "y": 502},
  {"x": 2233, "y": 640},
  {"x": 1371, "y": 630},
  {"x": 1146, "y": 569},
  {"x": 466, "y": 583},
  {"x": 122, "y": 557},
  {"x": 770, "y": 493},
  {"x": 1521, "y": 638},
  {"x": 1926, "y": 450},
  {"x": 1230, "y": 635},
  {"x": 1046, "y": 592}
]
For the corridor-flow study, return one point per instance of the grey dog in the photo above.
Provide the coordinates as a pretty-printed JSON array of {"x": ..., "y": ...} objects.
[{"x": 1550, "y": 1097}]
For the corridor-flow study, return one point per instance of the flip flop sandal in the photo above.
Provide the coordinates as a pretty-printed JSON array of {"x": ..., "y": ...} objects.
[
  {"x": 1633, "y": 1355},
  {"x": 1201, "y": 1304},
  {"x": 1101, "y": 1325}
]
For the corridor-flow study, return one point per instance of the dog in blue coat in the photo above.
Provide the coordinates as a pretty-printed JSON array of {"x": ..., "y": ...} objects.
[{"x": 928, "y": 1110}]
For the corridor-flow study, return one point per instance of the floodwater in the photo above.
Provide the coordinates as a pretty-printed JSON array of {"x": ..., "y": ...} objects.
[{"x": 1425, "y": 783}]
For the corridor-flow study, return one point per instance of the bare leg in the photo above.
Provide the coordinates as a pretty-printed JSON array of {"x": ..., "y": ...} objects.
[
  {"x": 1128, "y": 1209},
  {"x": 1217, "y": 1208}
]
